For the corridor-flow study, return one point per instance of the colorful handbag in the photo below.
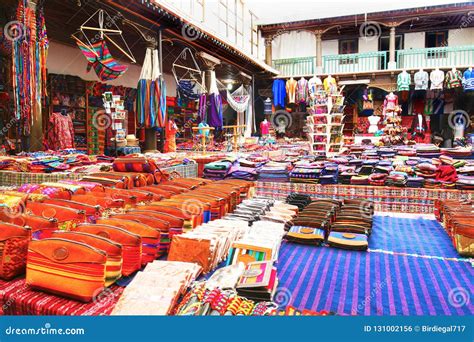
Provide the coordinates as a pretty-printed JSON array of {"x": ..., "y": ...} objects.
[
  {"x": 106, "y": 182},
  {"x": 305, "y": 235},
  {"x": 92, "y": 211},
  {"x": 89, "y": 186},
  {"x": 66, "y": 268},
  {"x": 13, "y": 249},
  {"x": 123, "y": 178},
  {"x": 131, "y": 244},
  {"x": 99, "y": 199},
  {"x": 41, "y": 227},
  {"x": 158, "y": 191},
  {"x": 73, "y": 188},
  {"x": 464, "y": 240},
  {"x": 150, "y": 236},
  {"x": 45, "y": 190},
  {"x": 113, "y": 265},
  {"x": 140, "y": 195},
  {"x": 67, "y": 217},
  {"x": 350, "y": 241},
  {"x": 174, "y": 189}
]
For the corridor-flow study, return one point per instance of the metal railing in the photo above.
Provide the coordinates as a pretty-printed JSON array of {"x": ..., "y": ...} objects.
[
  {"x": 442, "y": 57},
  {"x": 355, "y": 62},
  {"x": 295, "y": 66}
]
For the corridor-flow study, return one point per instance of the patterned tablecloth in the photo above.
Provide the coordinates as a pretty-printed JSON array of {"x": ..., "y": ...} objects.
[
  {"x": 386, "y": 199},
  {"x": 12, "y": 178}
]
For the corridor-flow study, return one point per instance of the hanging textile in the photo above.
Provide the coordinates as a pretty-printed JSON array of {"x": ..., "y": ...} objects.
[
  {"x": 151, "y": 93},
  {"x": 99, "y": 57},
  {"x": 239, "y": 99},
  {"x": 215, "y": 118},
  {"x": 250, "y": 119}
]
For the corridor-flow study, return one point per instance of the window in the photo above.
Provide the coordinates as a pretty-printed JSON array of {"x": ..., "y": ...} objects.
[
  {"x": 436, "y": 41},
  {"x": 254, "y": 34},
  {"x": 348, "y": 46}
]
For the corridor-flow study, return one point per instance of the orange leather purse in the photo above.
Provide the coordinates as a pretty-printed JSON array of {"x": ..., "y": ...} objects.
[
  {"x": 189, "y": 221},
  {"x": 67, "y": 217},
  {"x": 158, "y": 191},
  {"x": 41, "y": 227},
  {"x": 150, "y": 236},
  {"x": 90, "y": 210},
  {"x": 131, "y": 244},
  {"x": 66, "y": 268},
  {"x": 113, "y": 265},
  {"x": 13, "y": 249},
  {"x": 141, "y": 195}
]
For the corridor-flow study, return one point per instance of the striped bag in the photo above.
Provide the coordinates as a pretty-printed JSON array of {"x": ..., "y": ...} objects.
[
  {"x": 66, "y": 268},
  {"x": 13, "y": 249},
  {"x": 131, "y": 244},
  {"x": 113, "y": 265},
  {"x": 134, "y": 164},
  {"x": 150, "y": 236}
]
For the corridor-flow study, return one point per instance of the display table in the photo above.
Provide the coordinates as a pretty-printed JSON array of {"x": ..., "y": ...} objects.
[
  {"x": 17, "y": 298},
  {"x": 387, "y": 199}
]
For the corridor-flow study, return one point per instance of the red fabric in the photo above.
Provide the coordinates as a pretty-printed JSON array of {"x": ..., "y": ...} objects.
[
  {"x": 446, "y": 173},
  {"x": 18, "y": 299},
  {"x": 60, "y": 133}
]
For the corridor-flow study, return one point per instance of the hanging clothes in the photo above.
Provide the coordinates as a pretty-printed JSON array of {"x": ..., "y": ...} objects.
[
  {"x": 291, "y": 90},
  {"x": 453, "y": 79},
  {"x": 215, "y": 118},
  {"x": 421, "y": 80},
  {"x": 267, "y": 107},
  {"x": 437, "y": 79},
  {"x": 314, "y": 84},
  {"x": 60, "y": 132},
  {"x": 302, "y": 91},
  {"x": 171, "y": 130},
  {"x": 265, "y": 127},
  {"x": 250, "y": 118},
  {"x": 330, "y": 85},
  {"x": 279, "y": 93},
  {"x": 390, "y": 103},
  {"x": 403, "y": 81},
  {"x": 468, "y": 80}
]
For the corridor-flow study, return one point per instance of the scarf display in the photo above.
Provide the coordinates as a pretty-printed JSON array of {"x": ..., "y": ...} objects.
[{"x": 29, "y": 65}]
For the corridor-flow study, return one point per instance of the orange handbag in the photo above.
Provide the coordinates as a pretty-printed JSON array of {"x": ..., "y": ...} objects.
[
  {"x": 66, "y": 268},
  {"x": 106, "y": 200},
  {"x": 174, "y": 189},
  {"x": 126, "y": 180},
  {"x": 150, "y": 236},
  {"x": 106, "y": 182},
  {"x": 13, "y": 249},
  {"x": 189, "y": 221},
  {"x": 67, "y": 217},
  {"x": 194, "y": 213},
  {"x": 90, "y": 210},
  {"x": 41, "y": 227},
  {"x": 131, "y": 244},
  {"x": 141, "y": 196},
  {"x": 158, "y": 191},
  {"x": 113, "y": 265},
  {"x": 99, "y": 199}
]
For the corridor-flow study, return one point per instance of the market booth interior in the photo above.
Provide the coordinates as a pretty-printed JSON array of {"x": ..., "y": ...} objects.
[{"x": 154, "y": 163}]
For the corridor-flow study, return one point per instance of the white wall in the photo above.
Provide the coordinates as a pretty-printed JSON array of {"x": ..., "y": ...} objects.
[
  {"x": 461, "y": 37},
  {"x": 68, "y": 60},
  {"x": 330, "y": 47},
  {"x": 368, "y": 45},
  {"x": 414, "y": 40}
]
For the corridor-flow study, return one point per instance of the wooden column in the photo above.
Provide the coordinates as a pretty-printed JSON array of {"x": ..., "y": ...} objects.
[
  {"x": 392, "y": 64},
  {"x": 268, "y": 50},
  {"x": 319, "y": 52}
]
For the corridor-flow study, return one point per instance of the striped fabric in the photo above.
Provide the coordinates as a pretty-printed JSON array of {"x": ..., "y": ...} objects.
[{"x": 101, "y": 60}]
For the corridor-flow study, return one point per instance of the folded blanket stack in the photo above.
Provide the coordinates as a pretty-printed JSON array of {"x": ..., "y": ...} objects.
[
  {"x": 398, "y": 179},
  {"x": 427, "y": 151},
  {"x": 274, "y": 172},
  {"x": 378, "y": 179},
  {"x": 242, "y": 172},
  {"x": 426, "y": 170},
  {"x": 217, "y": 170},
  {"x": 465, "y": 182},
  {"x": 306, "y": 173},
  {"x": 415, "y": 182}
]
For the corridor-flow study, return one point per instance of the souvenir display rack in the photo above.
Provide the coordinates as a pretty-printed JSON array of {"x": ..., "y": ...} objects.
[{"x": 325, "y": 123}]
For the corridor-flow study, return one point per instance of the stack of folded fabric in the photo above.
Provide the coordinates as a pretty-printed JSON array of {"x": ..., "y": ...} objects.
[
  {"x": 396, "y": 178},
  {"x": 427, "y": 151},
  {"x": 300, "y": 200},
  {"x": 465, "y": 183},
  {"x": 378, "y": 179},
  {"x": 360, "y": 180},
  {"x": 425, "y": 170},
  {"x": 274, "y": 172},
  {"x": 242, "y": 172},
  {"x": 156, "y": 290},
  {"x": 217, "y": 170},
  {"x": 415, "y": 182},
  {"x": 346, "y": 173},
  {"x": 329, "y": 174},
  {"x": 459, "y": 152},
  {"x": 306, "y": 172}
]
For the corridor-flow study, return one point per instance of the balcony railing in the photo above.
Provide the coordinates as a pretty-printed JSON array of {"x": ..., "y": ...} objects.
[
  {"x": 295, "y": 66},
  {"x": 445, "y": 57},
  {"x": 354, "y": 62}
]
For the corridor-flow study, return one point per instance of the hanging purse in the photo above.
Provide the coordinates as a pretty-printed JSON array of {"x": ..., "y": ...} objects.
[
  {"x": 131, "y": 244},
  {"x": 66, "y": 268},
  {"x": 13, "y": 249},
  {"x": 113, "y": 265}
]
